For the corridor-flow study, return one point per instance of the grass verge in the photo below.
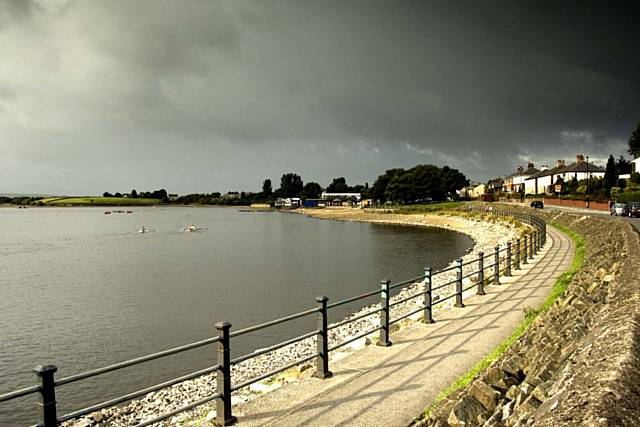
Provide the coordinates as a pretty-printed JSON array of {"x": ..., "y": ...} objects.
[
  {"x": 428, "y": 208},
  {"x": 98, "y": 201},
  {"x": 560, "y": 285}
]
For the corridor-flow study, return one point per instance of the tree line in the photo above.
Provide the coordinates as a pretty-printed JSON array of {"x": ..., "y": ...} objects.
[{"x": 421, "y": 183}]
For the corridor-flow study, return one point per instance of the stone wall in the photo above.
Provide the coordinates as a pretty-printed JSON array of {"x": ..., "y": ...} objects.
[{"x": 578, "y": 363}]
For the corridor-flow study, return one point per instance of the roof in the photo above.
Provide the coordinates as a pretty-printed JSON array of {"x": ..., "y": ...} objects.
[
  {"x": 526, "y": 172},
  {"x": 573, "y": 167},
  {"x": 582, "y": 167},
  {"x": 547, "y": 172}
]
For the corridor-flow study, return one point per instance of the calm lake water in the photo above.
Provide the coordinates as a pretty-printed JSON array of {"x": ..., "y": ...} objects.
[{"x": 80, "y": 289}]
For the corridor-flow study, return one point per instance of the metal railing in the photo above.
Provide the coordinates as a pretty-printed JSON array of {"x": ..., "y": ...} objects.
[{"x": 488, "y": 271}]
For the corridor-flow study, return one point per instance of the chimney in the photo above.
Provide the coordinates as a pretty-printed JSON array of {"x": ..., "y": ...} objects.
[
  {"x": 529, "y": 165},
  {"x": 544, "y": 167},
  {"x": 559, "y": 163},
  {"x": 579, "y": 158}
]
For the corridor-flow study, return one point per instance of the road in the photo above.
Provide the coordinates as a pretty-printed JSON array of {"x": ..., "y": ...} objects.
[{"x": 633, "y": 221}]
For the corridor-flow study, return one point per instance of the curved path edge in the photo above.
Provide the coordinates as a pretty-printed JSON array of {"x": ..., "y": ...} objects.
[{"x": 390, "y": 386}]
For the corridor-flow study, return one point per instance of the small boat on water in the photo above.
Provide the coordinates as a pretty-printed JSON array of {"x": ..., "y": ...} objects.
[
  {"x": 192, "y": 228},
  {"x": 107, "y": 212}
]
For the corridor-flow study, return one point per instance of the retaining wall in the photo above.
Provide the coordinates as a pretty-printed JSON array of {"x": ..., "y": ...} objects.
[
  {"x": 578, "y": 363},
  {"x": 596, "y": 206}
]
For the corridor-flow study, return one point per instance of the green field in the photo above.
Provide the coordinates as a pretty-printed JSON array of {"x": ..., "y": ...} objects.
[{"x": 98, "y": 201}]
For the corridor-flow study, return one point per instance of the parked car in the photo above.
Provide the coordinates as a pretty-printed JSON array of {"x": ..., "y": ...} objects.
[
  {"x": 537, "y": 204},
  {"x": 634, "y": 209},
  {"x": 619, "y": 209}
]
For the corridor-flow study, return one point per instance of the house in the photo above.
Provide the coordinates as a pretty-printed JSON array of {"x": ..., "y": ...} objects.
[
  {"x": 515, "y": 183},
  {"x": 495, "y": 185},
  {"x": 172, "y": 196},
  {"x": 544, "y": 181},
  {"x": 477, "y": 191},
  {"x": 580, "y": 169}
]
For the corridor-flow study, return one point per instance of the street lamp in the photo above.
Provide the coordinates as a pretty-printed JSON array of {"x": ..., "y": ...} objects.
[
  {"x": 587, "y": 182},
  {"x": 520, "y": 190}
]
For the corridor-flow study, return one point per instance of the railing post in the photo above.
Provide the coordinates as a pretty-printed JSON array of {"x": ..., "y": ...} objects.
[
  {"x": 525, "y": 247},
  {"x": 535, "y": 242},
  {"x": 384, "y": 314},
  {"x": 223, "y": 377},
  {"x": 517, "y": 259},
  {"x": 47, "y": 414},
  {"x": 531, "y": 246},
  {"x": 496, "y": 266},
  {"x": 322, "y": 340},
  {"x": 428, "y": 297},
  {"x": 508, "y": 272},
  {"x": 480, "y": 273},
  {"x": 540, "y": 234},
  {"x": 459, "y": 284},
  {"x": 539, "y": 238}
]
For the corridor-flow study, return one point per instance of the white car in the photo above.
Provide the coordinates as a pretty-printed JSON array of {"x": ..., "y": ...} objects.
[{"x": 618, "y": 209}]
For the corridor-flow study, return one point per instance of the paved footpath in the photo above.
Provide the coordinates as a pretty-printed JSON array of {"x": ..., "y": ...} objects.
[{"x": 390, "y": 386}]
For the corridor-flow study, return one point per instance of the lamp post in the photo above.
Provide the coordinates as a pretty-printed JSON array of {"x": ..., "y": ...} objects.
[
  {"x": 520, "y": 190},
  {"x": 587, "y": 182}
]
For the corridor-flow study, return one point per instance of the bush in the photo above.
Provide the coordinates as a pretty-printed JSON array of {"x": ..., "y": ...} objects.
[
  {"x": 628, "y": 197},
  {"x": 635, "y": 178}
]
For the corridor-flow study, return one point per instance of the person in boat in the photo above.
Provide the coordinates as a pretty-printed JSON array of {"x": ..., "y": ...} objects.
[
  {"x": 191, "y": 227},
  {"x": 142, "y": 229}
]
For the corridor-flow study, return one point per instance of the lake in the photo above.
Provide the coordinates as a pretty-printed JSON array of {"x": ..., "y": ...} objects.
[{"x": 80, "y": 289}]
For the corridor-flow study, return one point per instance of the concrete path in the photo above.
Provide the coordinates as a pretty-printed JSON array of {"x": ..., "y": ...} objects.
[{"x": 390, "y": 386}]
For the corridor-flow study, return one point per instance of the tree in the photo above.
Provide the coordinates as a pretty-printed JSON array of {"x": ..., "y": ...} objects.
[
  {"x": 453, "y": 180},
  {"x": 339, "y": 185},
  {"x": 134, "y": 194},
  {"x": 623, "y": 166},
  {"x": 290, "y": 185},
  {"x": 610, "y": 175},
  {"x": 634, "y": 143},
  {"x": 379, "y": 187},
  {"x": 106, "y": 194},
  {"x": 267, "y": 191},
  {"x": 117, "y": 195},
  {"x": 420, "y": 183},
  {"x": 573, "y": 185},
  {"x": 311, "y": 190}
]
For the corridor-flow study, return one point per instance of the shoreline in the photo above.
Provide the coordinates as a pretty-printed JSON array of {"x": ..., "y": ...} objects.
[{"x": 485, "y": 235}]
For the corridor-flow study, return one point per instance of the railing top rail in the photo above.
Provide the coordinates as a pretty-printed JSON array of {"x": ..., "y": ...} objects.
[
  {"x": 352, "y": 299},
  {"x": 273, "y": 322},
  {"x": 19, "y": 393},
  {"x": 136, "y": 361}
]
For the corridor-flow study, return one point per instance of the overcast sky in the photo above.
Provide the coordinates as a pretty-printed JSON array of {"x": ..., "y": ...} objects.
[{"x": 203, "y": 96}]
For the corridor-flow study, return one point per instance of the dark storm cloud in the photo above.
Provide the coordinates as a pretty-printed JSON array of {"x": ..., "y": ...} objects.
[{"x": 221, "y": 94}]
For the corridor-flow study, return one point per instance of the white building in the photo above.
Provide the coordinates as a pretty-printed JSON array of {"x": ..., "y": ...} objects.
[
  {"x": 544, "y": 181},
  {"x": 516, "y": 182},
  {"x": 342, "y": 196}
]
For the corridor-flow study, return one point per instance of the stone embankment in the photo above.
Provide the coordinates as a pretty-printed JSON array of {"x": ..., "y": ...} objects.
[
  {"x": 578, "y": 363},
  {"x": 486, "y": 234}
]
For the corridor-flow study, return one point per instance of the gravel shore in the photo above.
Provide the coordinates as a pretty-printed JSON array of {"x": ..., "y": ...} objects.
[{"x": 486, "y": 235}]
